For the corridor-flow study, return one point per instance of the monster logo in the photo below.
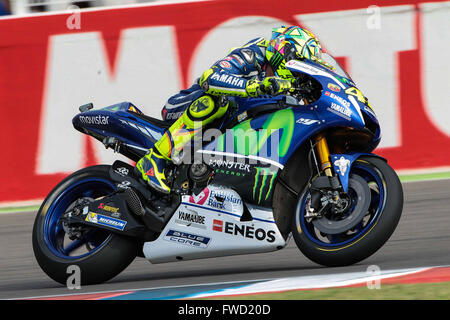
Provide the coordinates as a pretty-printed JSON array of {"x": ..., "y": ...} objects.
[{"x": 262, "y": 174}]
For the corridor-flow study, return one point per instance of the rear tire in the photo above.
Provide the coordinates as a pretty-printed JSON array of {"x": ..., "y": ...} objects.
[
  {"x": 372, "y": 236},
  {"x": 113, "y": 252}
]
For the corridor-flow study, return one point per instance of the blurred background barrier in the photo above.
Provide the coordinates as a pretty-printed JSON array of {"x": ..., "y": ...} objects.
[
  {"x": 20, "y": 7},
  {"x": 396, "y": 51}
]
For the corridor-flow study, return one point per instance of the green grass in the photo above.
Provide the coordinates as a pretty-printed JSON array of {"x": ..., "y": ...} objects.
[
  {"x": 19, "y": 209},
  {"x": 424, "y": 176},
  {"x": 422, "y": 291}
]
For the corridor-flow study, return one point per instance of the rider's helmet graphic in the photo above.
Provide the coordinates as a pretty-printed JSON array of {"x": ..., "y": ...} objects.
[{"x": 289, "y": 43}]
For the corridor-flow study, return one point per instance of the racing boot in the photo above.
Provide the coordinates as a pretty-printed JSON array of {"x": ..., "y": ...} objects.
[{"x": 151, "y": 167}]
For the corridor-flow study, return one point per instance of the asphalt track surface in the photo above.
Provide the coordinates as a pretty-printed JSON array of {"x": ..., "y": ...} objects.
[{"x": 421, "y": 239}]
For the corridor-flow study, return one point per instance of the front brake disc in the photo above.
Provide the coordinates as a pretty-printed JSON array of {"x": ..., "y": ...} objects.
[{"x": 362, "y": 196}]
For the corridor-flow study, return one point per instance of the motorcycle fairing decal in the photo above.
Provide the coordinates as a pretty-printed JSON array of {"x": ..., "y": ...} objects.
[
  {"x": 346, "y": 81},
  {"x": 244, "y": 230},
  {"x": 296, "y": 65},
  {"x": 253, "y": 179},
  {"x": 225, "y": 212},
  {"x": 262, "y": 174},
  {"x": 200, "y": 198},
  {"x": 237, "y": 155},
  {"x": 187, "y": 239},
  {"x": 218, "y": 198},
  {"x": 342, "y": 164},
  {"x": 106, "y": 221},
  {"x": 357, "y": 108}
]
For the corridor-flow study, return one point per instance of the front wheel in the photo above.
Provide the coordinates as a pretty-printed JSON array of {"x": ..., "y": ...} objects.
[
  {"x": 99, "y": 254},
  {"x": 374, "y": 210}
]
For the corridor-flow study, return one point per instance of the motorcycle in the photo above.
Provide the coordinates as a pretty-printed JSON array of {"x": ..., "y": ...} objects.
[{"x": 294, "y": 165}]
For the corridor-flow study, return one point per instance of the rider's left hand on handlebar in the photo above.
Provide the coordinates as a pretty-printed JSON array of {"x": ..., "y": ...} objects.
[
  {"x": 275, "y": 85},
  {"x": 270, "y": 85}
]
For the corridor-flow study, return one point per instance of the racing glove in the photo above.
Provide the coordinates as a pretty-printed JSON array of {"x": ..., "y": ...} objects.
[{"x": 270, "y": 85}]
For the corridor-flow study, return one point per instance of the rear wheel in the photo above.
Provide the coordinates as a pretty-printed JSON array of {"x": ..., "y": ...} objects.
[
  {"x": 99, "y": 254},
  {"x": 374, "y": 209}
]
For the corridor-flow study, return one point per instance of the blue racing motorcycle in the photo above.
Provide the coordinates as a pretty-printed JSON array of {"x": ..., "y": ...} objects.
[{"x": 296, "y": 165}]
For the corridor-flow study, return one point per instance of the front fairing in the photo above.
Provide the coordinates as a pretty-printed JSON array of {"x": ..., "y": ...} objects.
[
  {"x": 340, "y": 97},
  {"x": 333, "y": 98}
]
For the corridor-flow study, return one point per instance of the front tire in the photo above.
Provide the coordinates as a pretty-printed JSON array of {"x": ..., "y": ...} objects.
[
  {"x": 106, "y": 254},
  {"x": 364, "y": 239}
]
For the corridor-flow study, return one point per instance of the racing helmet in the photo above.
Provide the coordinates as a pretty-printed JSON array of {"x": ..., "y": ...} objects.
[{"x": 289, "y": 43}]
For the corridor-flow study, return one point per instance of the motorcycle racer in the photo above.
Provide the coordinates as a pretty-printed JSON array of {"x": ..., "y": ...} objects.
[{"x": 255, "y": 69}]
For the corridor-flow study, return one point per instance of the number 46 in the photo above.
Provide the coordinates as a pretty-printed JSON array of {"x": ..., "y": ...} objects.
[{"x": 358, "y": 94}]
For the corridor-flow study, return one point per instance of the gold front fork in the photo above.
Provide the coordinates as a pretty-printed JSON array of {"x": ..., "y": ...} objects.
[{"x": 324, "y": 154}]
